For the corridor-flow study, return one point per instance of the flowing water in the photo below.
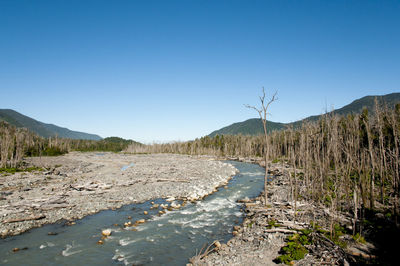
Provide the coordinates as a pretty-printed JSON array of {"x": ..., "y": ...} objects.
[{"x": 169, "y": 239}]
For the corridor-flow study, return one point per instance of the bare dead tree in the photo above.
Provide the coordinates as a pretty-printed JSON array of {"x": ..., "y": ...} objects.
[{"x": 263, "y": 112}]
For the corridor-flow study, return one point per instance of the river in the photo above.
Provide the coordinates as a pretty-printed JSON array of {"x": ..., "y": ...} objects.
[{"x": 169, "y": 239}]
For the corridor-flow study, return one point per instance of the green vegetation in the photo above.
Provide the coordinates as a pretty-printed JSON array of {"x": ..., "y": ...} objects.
[
  {"x": 296, "y": 244},
  {"x": 253, "y": 127},
  {"x": 273, "y": 223},
  {"x": 16, "y": 143},
  {"x": 359, "y": 238},
  {"x": 112, "y": 144},
  {"x": 295, "y": 247},
  {"x": 42, "y": 129},
  {"x": 13, "y": 170}
]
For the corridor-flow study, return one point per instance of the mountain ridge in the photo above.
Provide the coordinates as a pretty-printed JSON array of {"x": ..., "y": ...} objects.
[
  {"x": 253, "y": 126},
  {"x": 42, "y": 129}
]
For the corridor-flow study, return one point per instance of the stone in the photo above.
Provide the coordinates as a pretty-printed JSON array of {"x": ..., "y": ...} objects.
[
  {"x": 106, "y": 232},
  {"x": 170, "y": 199},
  {"x": 15, "y": 249},
  {"x": 217, "y": 244},
  {"x": 4, "y": 232},
  {"x": 141, "y": 221},
  {"x": 145, "y": 212},
  {"x": 100, "y": 242}
]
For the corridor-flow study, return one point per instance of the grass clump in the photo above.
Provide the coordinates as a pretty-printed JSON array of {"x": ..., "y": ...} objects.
[
  {"x": 359, "y": 238},
  {"x": 276, "y": 160},
  {"x": 272, "y": 223},
  {"x": 295, "y": 248},
  {"x": 13, "y": 170}
]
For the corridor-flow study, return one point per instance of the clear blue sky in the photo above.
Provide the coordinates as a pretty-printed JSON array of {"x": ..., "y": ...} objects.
[{"x": 177, "y": 70}]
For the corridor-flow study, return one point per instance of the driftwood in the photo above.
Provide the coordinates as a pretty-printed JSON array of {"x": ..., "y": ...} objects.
[
  {"x": 280, "y": 230},
  {"x": 199, "y": 256},
  {"x": 30, "y": 218},
  {"x": 55, "y": 206},
  {"x": 173, "y": 180}
]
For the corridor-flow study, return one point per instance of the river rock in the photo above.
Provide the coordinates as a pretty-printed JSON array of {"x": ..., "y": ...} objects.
[
  {"x": 106, "y": 232},
  {"x": 141, "y": 221},
  {"x": 170, "y": 199}
]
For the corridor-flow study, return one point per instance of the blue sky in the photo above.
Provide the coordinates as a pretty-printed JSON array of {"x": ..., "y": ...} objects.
[{"x": 177, "y": 70}]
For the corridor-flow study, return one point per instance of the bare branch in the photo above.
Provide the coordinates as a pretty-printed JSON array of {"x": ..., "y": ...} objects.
[{"x": 263, "y": 116}]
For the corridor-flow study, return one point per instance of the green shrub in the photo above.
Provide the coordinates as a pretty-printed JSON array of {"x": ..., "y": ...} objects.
[
  {"x": 294, "y": 249},
  {"x": 359, "y": 238}
]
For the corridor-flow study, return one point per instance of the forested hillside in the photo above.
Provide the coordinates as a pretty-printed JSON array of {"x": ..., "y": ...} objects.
[
  {"x": 254, "y": 127},
  {"x": 42, "y": 129}
]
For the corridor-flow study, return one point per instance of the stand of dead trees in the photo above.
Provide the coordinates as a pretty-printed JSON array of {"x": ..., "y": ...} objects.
[
  {"x": 347, "y": 164},
  {"x": 16, "y": 143}
]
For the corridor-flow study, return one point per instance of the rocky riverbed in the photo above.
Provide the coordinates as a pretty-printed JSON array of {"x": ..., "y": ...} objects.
[{"x": 79, "y": 184}]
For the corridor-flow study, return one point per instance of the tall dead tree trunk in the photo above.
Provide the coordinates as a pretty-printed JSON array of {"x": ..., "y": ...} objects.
[
  {"x": 382, "y": 167},
  {"x": 262, "y": 112},
  {"x": 372, "y": 158}
]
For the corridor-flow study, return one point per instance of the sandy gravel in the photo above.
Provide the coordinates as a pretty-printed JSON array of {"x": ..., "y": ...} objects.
[{"x": 79, "y": 184}]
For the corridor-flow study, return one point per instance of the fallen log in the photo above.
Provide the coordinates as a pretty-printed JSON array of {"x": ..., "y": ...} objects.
[
  {"x": 172, "y": 180},
  {"x": 30, "y": 218},
  {"x": 280, "y": 230},
  {"x": 55, "y": 206}
]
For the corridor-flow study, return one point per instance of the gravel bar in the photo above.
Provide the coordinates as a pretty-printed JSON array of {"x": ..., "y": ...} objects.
[{"x": 79, "y": 184}]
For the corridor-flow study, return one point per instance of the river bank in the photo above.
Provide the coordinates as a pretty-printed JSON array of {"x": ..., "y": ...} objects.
[
  {"x": 79, "y": 184},
  {"x": 265, "y": 230}
]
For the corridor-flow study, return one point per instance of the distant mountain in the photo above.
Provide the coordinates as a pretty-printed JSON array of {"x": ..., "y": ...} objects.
[
  {"x": 42, "y": 129},
  {"x": 254, "y": 126}
]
